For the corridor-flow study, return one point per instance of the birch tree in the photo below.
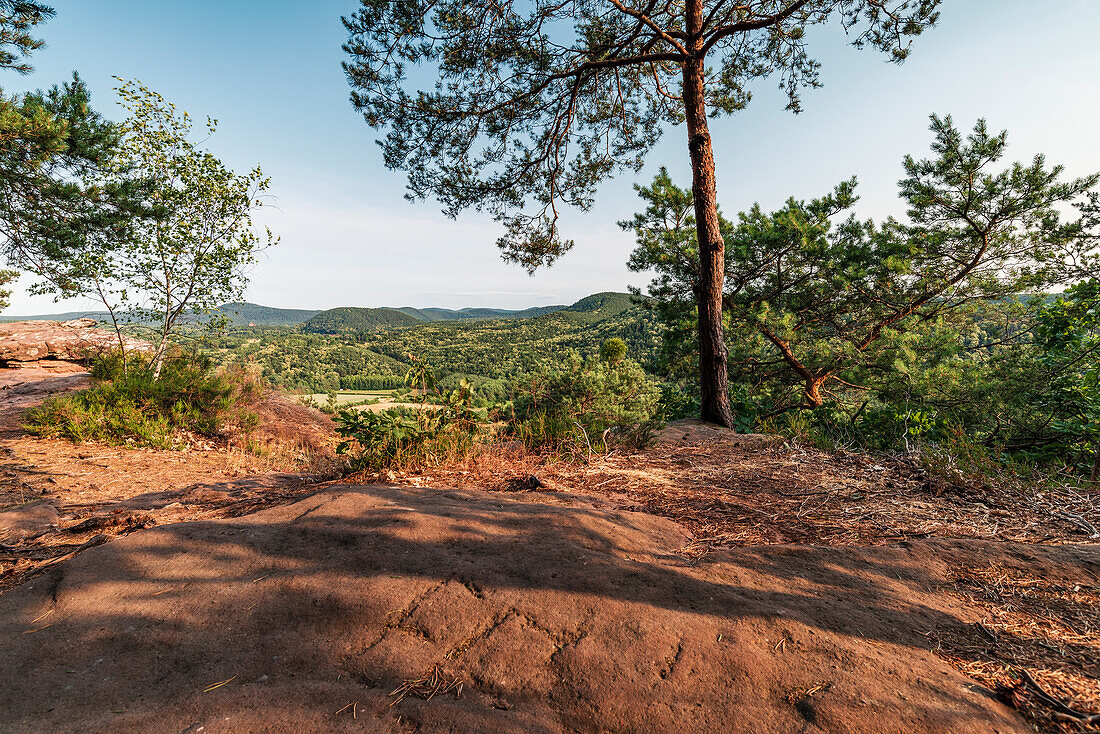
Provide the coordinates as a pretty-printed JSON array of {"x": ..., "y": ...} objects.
[{"x": 193, "y": 250}]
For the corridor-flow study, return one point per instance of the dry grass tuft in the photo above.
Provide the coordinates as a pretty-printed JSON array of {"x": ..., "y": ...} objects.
[{"x": 733, "y": 494}]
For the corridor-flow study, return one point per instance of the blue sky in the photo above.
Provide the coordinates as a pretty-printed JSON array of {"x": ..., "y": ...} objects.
[{"x": 270, "y": 73}]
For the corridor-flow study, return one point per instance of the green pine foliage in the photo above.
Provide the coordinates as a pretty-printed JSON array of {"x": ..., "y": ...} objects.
[
  {"x": 17, "y": 19},
  {"x": 526, "y": 108},
  {"x": 613, "y": 350},
  {"x": 59, "y": 195},
  {"x": 581, "y": 405},
  {"x": 902, "y": 333}
]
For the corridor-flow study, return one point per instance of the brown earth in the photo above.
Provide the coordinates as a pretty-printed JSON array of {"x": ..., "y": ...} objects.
[
  {"x": 81, "y": 491},
  {"x": 659, "y": 590}
]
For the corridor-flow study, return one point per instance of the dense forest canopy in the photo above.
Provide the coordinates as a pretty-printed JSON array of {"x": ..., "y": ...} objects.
[{"x": 376, "y": 356}]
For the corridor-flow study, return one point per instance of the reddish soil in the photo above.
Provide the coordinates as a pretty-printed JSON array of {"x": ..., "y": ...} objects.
[
  {"x": 661, "y": 590},
  {"x": 97, "y": 489}
]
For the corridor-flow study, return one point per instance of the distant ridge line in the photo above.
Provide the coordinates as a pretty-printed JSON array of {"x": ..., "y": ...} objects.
[{"x": 354, "y": 317}]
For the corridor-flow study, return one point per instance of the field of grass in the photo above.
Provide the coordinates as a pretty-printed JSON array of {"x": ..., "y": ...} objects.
[
  {"x": 373, "y": 400},
  {"x": 348, "y": 397}
]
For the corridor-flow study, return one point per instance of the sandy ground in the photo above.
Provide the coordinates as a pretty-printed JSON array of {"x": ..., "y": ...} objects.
[{"x": 56, "y": 496}]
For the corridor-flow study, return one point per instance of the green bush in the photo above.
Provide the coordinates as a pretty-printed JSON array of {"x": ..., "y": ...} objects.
[
  {"x": 679, "y": 399},
  {"x": 576, "y": 408},
  {"x": 445, "y": 427},
  {"x": 126, "y": 405}
]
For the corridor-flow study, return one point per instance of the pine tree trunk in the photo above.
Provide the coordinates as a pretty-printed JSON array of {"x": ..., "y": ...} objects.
[{"x": 713, "y": 355}]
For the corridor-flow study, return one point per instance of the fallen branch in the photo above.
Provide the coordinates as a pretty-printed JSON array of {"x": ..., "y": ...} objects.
[
  {"x": 1057, "y": 705},
  {"x": 91, "y": 543},
  {"x": 1080, "y": 522},
  {"x": 586, "y": 441}
]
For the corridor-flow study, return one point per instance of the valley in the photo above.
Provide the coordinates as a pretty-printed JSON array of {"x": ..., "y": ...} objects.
[{"x": 335, "y": 350}]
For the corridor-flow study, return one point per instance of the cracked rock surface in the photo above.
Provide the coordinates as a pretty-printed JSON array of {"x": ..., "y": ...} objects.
[
  {"x": 67, "y": 341},
  {"x": 536, "y": 614}
]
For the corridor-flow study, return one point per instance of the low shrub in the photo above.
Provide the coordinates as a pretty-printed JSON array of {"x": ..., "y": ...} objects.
[
  {"x": 445, "y": 427},
  {"x": 578, "y": 407},
  {"x": 126, "y": 405}
]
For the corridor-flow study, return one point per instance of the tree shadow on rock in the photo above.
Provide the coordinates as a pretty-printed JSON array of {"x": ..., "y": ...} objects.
[{"x": 552, "y": 618}]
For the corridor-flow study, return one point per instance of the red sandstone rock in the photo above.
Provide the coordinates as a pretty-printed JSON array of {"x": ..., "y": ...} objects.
[{"x": 71, "y": 341}]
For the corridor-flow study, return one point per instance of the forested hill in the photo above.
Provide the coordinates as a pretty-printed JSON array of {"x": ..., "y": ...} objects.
[
  {"x": 601, "y": 306},
  {"x": 592, "y": 308},
  {"x": 489, "y": 351},
  {"x": 351, "y": 318},
  {"x": 347, "y": 319},
  {"x": 238, "y": 314},
  {"x": 251, "y": 313},
  {"x": 465, "y": 314}
]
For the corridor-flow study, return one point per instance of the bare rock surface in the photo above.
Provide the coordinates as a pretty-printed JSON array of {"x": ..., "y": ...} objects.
[
  {"x": 520, "y": 615},
  {"x": 31, "y": 384},
  {"x": 27, "y": 521},
  {"x": 68, "y": 341}
]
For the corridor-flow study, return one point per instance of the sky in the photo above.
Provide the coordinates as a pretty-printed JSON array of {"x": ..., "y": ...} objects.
[{"x": 269, "y": 71}]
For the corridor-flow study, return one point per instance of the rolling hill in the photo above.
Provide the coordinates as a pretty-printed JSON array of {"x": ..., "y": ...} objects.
[
  {"x": 242, "y": 314},
  {"x": 353, "y": 318},
  {"x": 601, "y": 306},
  {"x": 360, "y": 348},
  {"x": 466, "y": 314},
  {"x": 239, "y": 314},
  {"x": 590, "y": 309}
]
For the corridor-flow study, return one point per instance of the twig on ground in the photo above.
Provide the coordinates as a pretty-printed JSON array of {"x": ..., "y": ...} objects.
[
  {"x": 1079, "y": 521},
  {"x": 1055, "y": 704},
  {"x": 426, "y": 687}
]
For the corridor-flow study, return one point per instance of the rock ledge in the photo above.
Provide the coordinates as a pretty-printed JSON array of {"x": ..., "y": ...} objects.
[{"x": 69, "y": 341}]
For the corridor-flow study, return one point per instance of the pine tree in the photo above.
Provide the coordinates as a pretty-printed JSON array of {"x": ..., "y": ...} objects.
[
  {"x": 536, "y": 103},
  {"x": 57, "y": 195},
  {"x": 827, "y": 303},
  {"x": 17, "y": 18}
]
